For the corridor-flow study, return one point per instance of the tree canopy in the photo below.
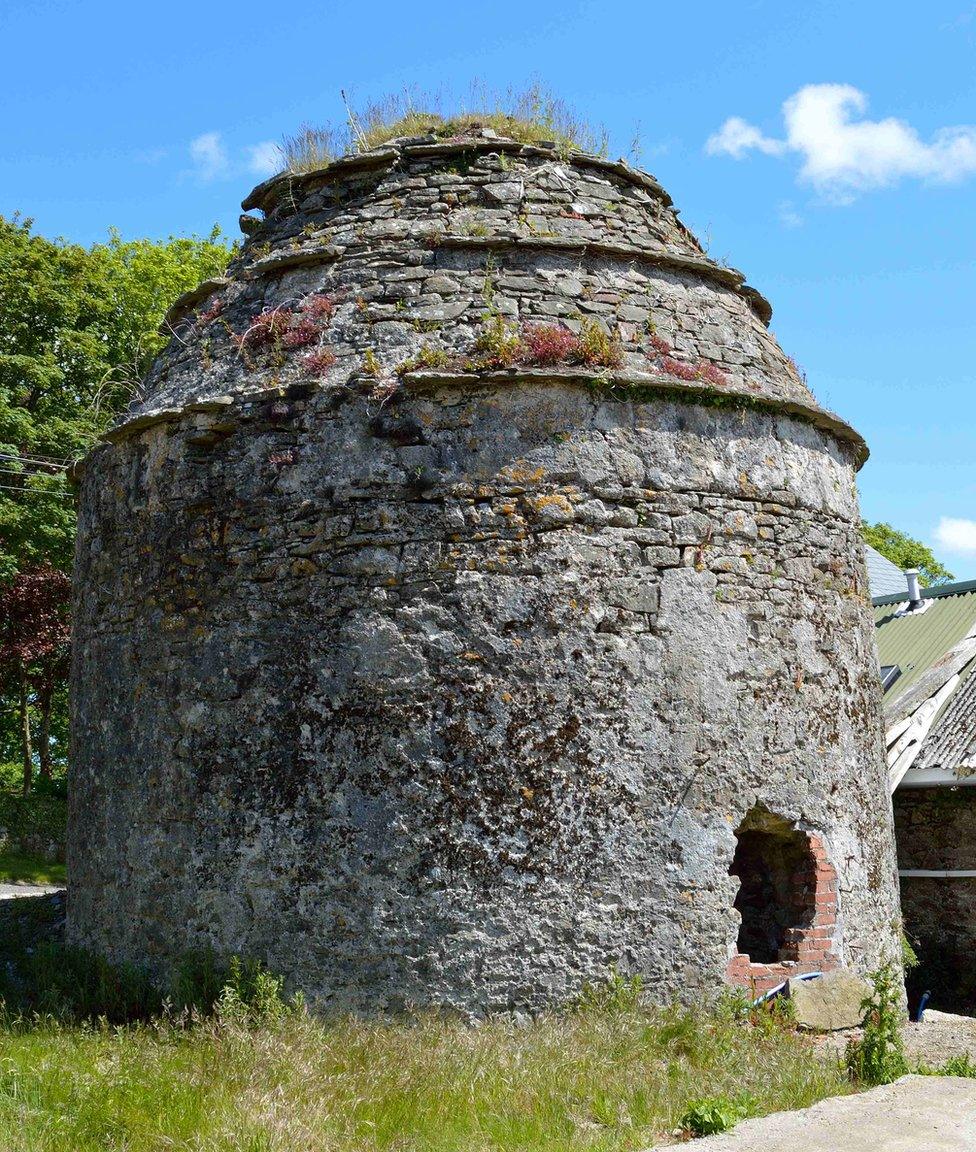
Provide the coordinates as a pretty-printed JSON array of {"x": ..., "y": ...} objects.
[
  {"x": 78, "y": 330},
  {"x": 906, "y": 552}
]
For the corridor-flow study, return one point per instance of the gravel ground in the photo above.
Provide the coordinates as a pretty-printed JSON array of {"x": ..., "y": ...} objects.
[
  {"x": 939, "y": 1036},
  {"x": 915, "y": 1114},
  {"x": 17, "y": 891}
]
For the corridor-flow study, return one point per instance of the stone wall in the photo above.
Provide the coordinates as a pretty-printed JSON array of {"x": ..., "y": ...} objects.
[
  {"x": 451, "y": 684},
  {"x": 936, "y": 830}
]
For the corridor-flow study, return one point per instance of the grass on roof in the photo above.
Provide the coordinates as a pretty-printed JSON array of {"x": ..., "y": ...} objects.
[{"x": 528, "y": 115}]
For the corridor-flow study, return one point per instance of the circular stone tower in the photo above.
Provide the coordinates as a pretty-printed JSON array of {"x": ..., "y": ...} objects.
[{"x": 474, "y": 600}]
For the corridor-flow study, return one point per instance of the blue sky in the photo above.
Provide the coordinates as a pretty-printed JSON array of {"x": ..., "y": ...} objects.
[{"x": 844, "y": 187}]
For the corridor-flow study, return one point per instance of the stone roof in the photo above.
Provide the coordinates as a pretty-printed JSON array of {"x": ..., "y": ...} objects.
[{"x": 408, "y": 238}]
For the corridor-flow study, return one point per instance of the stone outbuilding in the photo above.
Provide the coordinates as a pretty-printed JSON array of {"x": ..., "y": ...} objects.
[
  {"x": 473, "y": 600},
  {"x": 927, "y": 649}
]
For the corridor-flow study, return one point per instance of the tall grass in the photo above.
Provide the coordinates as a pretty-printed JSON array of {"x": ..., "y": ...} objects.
[
  {"x": 590, "y": 1080},
  {"x": 528, "y": 115}
]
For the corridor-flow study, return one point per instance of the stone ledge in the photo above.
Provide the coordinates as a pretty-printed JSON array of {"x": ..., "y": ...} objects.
[
  {"x": 662, "y": 257},
  {"x": 187, "y": 300},
  {"x": 280, "y": 261},
  {"x": 266, "y": 194},
  {"x": 611, "y": 386},
  {"x": 269, "y": 190},
  {"x": 626, "y": 383}
]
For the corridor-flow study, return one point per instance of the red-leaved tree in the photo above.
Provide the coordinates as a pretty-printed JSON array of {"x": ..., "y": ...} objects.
[{"x": 35, "y": 638}]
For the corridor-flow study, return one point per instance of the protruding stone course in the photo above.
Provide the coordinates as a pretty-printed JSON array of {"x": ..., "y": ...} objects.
[{"x": 430, "y": 685}]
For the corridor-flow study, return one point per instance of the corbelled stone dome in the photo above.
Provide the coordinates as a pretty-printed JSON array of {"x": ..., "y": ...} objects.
[{"x": 473, "y": 600}]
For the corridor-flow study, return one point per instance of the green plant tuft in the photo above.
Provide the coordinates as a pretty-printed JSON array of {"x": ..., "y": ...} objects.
[
  {"x": 909, "y": 957},
  {"x": 529, "y": 116},
  {"x": 252, "y": 996},
  {"x": 597, "y": 349},
  {"x": 879, "y": 1056},
  {"x": 715, "y": 1114},
  {"x": 958, "y": 1066},
  {"x": 616, "y": 994}
]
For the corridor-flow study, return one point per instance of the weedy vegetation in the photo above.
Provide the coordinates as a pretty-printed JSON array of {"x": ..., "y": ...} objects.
[
  {"x": 879, "y": 1056},
  {"x": 95, "y": 1058},
  {"x": 529, "y": 115}
]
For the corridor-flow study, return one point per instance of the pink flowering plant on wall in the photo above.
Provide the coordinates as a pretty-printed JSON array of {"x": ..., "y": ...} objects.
[
  {"x": 275, "y": 332},
  {"x": 701, "y": 370}
]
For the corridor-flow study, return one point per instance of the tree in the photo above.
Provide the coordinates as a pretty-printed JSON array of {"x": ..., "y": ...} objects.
[
  {"x": 78, "y": 330},
  {"x": 34, "y": 646},
  {"x": 906, "y": 552},
  {"x": 145, "y": 277}
]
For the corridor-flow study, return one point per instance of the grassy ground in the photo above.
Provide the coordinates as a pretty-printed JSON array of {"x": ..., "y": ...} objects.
[
  {"x": 582, "y": 1081},
  {"x": 20, "y": 868},
  {"x": 38, "y": 820}
]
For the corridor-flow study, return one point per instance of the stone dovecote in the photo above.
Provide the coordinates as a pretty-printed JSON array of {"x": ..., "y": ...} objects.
[{"x": 473, "y": 600}]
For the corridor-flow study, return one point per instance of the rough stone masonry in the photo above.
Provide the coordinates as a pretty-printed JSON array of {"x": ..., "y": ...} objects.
[{"x": 473, "y": 567}]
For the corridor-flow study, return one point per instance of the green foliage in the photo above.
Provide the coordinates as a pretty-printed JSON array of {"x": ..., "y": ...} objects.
[
  {"x": 616, "y": 994},
  {"x": 427, "y": 357},
  {"x": 572, "y": 1082},
  {"x": 27, "y": 868},
  {"x": 497, "y": 345},
  {"x": 144, "y": 277},
  {"x": 252, "y": 996},
  {"x": 715, "y": 1114},
  {"x": 879, "y": 1056},
  {"x": 74, "y": 985},
  {"x": 41, "y": 816},
  {"x": 597, "y": 349},
  {"x": 527, "y": 115},
  {"x": 909, "y": 957},
  {"x": 955, "y": 1066},
  {"x": 78, "y": 329},
  {"x": 906, "y": 552}
]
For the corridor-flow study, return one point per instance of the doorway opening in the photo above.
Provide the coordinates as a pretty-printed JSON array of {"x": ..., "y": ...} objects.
[{"x": 777, "y": 874}]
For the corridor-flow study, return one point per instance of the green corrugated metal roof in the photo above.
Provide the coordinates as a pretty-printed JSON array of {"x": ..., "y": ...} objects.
[{"x": 916, "y": 641}]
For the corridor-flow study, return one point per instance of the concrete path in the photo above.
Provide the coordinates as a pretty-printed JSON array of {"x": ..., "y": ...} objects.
[
  {"x": 915, "y": 1114},
  {"x": 12, "y": 891}
]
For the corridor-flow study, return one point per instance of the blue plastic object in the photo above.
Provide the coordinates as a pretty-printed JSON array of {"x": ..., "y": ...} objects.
[{"x": 779, "y": 987}]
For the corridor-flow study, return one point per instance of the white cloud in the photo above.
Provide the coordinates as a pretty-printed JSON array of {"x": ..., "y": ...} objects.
[
  {"x": 209, "y": 156},
  {"x": 736, "y": 137},
  {"x": 843, "y": 152},
  {"x": 264, "y": 159},
  {"x": 957, "y": 535}
]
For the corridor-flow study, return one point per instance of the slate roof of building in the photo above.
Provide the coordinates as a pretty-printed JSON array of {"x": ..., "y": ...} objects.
[
  {"x": 915, "y": 641},
  {"x": 884, "y": 577},
  {"x": 952, "y": 743},
  {"x": 923, "y": 642}
]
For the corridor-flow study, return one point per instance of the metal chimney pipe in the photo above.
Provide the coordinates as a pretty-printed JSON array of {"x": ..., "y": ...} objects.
[{"x": 914, "y": 589}]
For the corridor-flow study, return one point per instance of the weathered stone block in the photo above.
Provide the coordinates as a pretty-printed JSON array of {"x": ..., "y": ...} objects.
[{"x": 829, "y": 1003}]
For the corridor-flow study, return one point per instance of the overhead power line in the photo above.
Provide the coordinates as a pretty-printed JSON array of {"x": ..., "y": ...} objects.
[
  {"x": 37, "y": 461},
  {"x": 36, "y": 492}
]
